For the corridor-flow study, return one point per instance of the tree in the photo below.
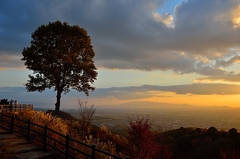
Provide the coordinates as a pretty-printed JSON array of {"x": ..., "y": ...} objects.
[
  {"x": 233, "y": 134},
  {"x": 184, "y": 143},
  {"x": 61, "y": 57}
]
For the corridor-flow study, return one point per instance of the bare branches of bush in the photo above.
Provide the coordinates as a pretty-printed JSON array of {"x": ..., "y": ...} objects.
[{"x": 86, "y": 115}]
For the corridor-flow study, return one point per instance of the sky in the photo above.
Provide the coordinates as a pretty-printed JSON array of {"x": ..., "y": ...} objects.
[{"x": 167, "y": 51}]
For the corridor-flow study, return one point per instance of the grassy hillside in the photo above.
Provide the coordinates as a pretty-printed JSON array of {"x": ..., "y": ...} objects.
[{"x": 184, "y": 142}]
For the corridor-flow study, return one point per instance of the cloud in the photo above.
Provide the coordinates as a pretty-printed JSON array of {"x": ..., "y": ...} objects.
[
  {"x": 166, "y": 19},
  {"x": 8, "y": 61},
  {"x": 147, "y": 91},
  {"x": 48, "y": 97},
  {"x": 225, "y": 78},
  {"x": 198, "y": 38},
  {"x": 226, "y": 63},
  {"x": 236, "y": 17}
]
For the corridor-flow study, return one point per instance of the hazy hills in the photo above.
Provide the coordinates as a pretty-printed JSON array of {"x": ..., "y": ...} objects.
[{"x": 157, "y": 105}]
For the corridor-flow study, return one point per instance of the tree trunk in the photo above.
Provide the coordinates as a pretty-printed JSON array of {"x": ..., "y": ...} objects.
[{"x": 57, "y": 105}]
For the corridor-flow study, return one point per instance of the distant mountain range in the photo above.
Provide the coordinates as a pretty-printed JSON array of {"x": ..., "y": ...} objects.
[{"x": 156, "y": 105}]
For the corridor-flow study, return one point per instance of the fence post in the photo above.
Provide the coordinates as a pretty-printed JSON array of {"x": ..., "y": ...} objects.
[
  {"x": 12, "y": 124},
  {"x": 28, "y": 130},
  {"x": 45, "y": 137},
  {"x": 66, "y": 146},
  {"x": 93, "y": 151}
]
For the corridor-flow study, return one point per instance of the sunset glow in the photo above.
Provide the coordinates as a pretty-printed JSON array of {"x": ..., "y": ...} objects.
[
  {"x": 174, "y": 51},
  {"x": 198, "y": 100}
]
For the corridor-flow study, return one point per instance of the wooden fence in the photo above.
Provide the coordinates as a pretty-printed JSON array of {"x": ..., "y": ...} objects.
[
  {"x": 44, "y": 136},
  {"x": 15, "y": 108}
]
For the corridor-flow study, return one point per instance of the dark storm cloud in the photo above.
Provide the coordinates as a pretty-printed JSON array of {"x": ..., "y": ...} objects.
[
  {"x": 17, "y": 22},
  {"x": 205, "y": 27},
  {"x": 126, "y": 35}
]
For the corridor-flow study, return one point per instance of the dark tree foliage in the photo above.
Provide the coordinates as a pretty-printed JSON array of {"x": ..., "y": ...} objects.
[
  {"x": 213, "y": 133},
  {"x": 61, "y": 57},
  {"x": 184, "y": 143},
  {"x": 233, "y": 134}
]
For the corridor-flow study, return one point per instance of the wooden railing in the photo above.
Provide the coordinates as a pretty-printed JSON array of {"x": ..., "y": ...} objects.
[
  {"x": 44, "y": 136},
  {"x": 15, "y": 108}
]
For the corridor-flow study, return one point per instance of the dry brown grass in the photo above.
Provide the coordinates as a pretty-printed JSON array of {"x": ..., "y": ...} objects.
[
  {"x": 42, "y": 118},
  {"x": 71, "y": 127}
]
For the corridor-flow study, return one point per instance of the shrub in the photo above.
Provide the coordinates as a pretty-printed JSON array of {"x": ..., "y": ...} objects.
[
  {"x": 62, "y": 126},
  {"x": 233, "y": 134},
  {"x": 230, "y": 154},
  {"x": 86, "y": 114},
  {"x": 142, "y": 142},
  {"x": 42, "y": 118},
  {"x": 237, "y": 143},
  {"x": 213, "y": 133},
  {"x": 184, "y": 143}
]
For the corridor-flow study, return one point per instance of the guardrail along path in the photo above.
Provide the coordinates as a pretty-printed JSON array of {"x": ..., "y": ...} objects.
[{"x": 22, "y": 149}]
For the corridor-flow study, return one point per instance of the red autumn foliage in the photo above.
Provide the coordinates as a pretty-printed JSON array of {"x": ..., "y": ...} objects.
[
  {"x": 235, "y": 154},
  {"x": 142, "y": 142}
]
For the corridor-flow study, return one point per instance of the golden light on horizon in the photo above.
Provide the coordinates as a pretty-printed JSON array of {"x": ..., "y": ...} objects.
[
  {"x": 210, "y": 81},
  {"x": 197, "y": 100}
]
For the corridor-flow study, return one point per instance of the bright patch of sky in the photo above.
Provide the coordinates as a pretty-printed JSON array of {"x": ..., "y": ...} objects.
[
  {"x": 169, "y": 6},
  {"x": 123, "y": 78},
  {"x": 10, "y": 78},
  {"x": 165, "y": 14},
  {"x": 110, "y": 78}
]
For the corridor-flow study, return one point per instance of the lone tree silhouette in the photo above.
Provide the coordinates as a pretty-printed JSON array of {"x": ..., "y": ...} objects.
[{"x": 61, "y": 57}]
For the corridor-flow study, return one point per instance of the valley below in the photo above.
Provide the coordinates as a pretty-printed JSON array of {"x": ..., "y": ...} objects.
[{"x": 167, "y": 117}]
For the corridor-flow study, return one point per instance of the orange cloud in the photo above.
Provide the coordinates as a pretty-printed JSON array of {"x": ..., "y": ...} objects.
[{"x": 236, "y": 17}]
